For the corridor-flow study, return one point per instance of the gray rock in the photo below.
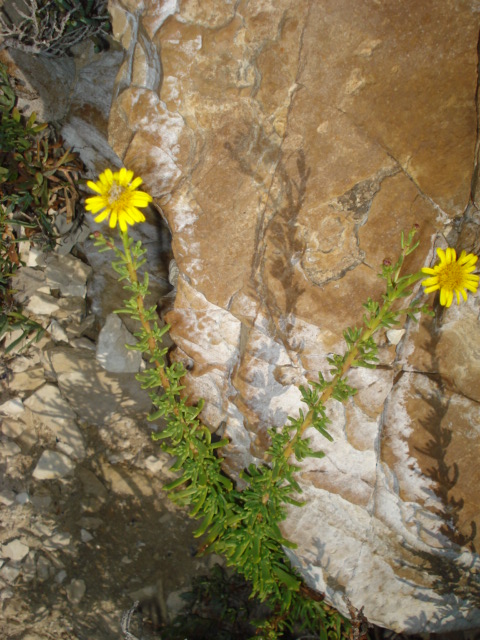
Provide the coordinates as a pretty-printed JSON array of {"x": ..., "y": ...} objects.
[
  {"x": 12, "y": 408},
  {"x": 57, "y": 332},
  {"x": 85, "y": 535},
  {"x": 8, "y": 448},
  {"x": 43, "y": 304},
  {"x": 70, "y": 234},
  {"x": 44, "y": 568},
  {"x": 26, "y": 282},
  {"x": 60, "y": 577},
  {"x": 75, "y": 591},
  {"x": 15, "y": 550},
  {"x": 59, "y": 540},
  {"x": 53, "y": 465},
  {"x": 55, "y": 414},
  {"x": 9, "y": 573},
  {"x": 67, "y": 274},
  {"x": 12, "y": 428},
  {"x": 112, "y": 353}
]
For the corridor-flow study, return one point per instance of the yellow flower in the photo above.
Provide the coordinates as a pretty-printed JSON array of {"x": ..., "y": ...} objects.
[
  {"x": 452, "y": 275},
  {"x": 117, "y": 197}
]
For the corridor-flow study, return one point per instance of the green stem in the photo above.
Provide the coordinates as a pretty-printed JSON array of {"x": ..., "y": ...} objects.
[
  {"x": 350, "y": 359},
  {"x": 133, "y": 277}
]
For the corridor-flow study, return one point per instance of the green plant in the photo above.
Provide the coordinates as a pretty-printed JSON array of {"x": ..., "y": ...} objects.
[
  {"x": 218, "y": 606},
  {"x": 52, "y": 27},
  {"x": 244, "y": 525},
  {"x": 37, "y": 180}
]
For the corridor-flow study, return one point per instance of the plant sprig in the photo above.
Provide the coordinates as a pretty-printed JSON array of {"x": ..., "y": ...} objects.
[{"x": 245, "y": 525}]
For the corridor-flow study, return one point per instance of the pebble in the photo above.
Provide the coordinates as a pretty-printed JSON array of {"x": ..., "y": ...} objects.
[
  {"x": 67, "y": 274},
  {"x": 44, "y": 568},
  {"x": 9, "y": 448},
  {"x": 85, "y": 535},
  {"x": 15, "y": 550},
  {"x": 75, "y": 591},
  {"x": 57, "y": 332},
  {"x": 53, "y": 465},
  {"x": 58, "y": 540},
  {"x": 9, "y": 573},
  {"x": 395, "y": 335},
  {"x": 12, "y": 408},
  {"x": 60, "y": 577},
  {"x": 22, "y": 498}
]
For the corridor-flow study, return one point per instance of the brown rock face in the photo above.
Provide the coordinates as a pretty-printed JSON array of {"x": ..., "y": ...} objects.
[{"x": 289, "y": 144}]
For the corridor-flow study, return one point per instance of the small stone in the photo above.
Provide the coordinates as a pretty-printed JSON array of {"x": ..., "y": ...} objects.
[
  {"x": 68, "y": 274},
  {"x": 57, "y": 332},
  {"x": 44, "y": 568},
  {"x": 395, "y": 335},
  {"x": 153, "y": 464},
  {"x": 60, "y": 577},
  {"x": 85, "y": 535},
  {"x": 15, "y": 550},
  {"x": 9, "y": 573},
  {"x": 25, "y": 382},
  {"x": 12, "y": 428},
  {"x": 9, "y": 448},
  {"x": 28, "y": 568},
  {"x": 53, "y": 465},
  {"x": 22, "y": 498},
  {"x": 12, "y": 408},
  {"x": 112, "y": 353},
  {"x": 26, "y": 282},
  {"x": 58, "y": 541},
  {"x": 42, "y": 304},
  {"x": 75, "y": 591}
]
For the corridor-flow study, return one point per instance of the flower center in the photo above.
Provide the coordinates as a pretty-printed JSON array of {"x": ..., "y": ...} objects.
[
  {"x": 451, "y": 277},
  {"x": 116, "y": 195}
]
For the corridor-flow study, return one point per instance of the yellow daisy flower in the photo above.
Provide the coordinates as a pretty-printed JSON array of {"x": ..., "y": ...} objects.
[
  {"x": 452, "y": 275},
  {"x": 117, "y": 197}
]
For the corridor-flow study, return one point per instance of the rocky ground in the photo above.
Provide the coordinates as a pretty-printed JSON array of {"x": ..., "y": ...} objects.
[{"x": 86, "y": 529}]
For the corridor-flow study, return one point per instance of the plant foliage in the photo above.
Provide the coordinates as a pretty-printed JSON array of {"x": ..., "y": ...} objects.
[
  {"x": 37, "y": 181},
  {"x": 244, "y": 525}
]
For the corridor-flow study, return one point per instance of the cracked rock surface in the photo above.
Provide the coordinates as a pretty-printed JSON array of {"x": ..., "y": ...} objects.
[{"x": 289, "y": 144}]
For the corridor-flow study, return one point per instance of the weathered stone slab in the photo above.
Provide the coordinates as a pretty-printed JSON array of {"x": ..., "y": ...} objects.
[{"x": 112, "y": 354}]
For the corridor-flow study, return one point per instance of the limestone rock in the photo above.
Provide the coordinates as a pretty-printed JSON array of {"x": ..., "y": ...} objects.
[
  {"x": 12, "y": 408},
  {"x": 112, "y": 353},
  {"x": 288, "y": 145},
  {"x": 67, "y": 274},
  {"x": 53, "y": 465},
  {"x": 15, "y": 550}
]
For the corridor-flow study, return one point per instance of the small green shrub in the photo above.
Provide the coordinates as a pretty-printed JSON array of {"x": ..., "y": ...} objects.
[{"x": 38, "y": 179}]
